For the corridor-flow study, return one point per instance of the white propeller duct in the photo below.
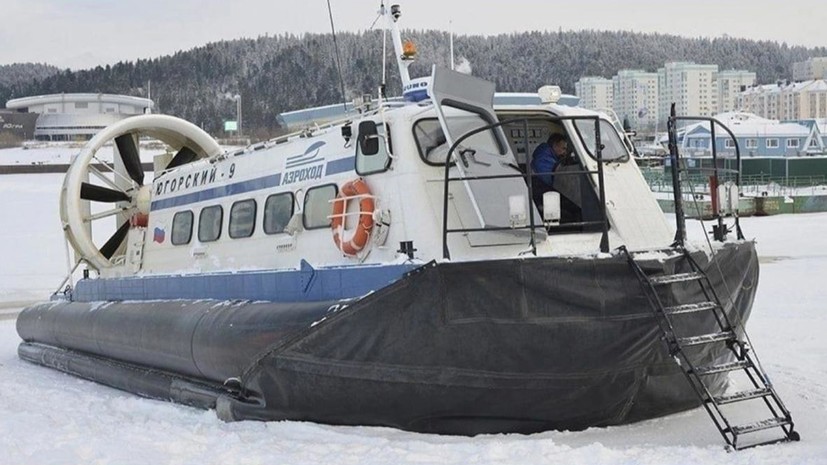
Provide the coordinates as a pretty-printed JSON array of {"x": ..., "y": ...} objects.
[{"x": 121, "y": 184}]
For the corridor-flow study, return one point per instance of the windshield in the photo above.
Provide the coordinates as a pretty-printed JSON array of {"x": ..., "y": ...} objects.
[{"x": 613, "y": 148}]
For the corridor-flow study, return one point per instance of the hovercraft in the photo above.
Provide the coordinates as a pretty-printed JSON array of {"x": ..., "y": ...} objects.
[{"x": 395, "y": 268}]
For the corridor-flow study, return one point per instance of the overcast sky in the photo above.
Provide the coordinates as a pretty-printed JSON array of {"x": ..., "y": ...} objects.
[{"x": 84, "y": 33}]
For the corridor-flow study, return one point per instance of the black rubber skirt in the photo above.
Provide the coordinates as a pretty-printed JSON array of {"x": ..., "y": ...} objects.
[{"x": 520, "y": 345}]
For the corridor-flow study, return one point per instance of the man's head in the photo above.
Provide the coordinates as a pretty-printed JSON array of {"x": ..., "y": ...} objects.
[{"x": 558, "y": 143}]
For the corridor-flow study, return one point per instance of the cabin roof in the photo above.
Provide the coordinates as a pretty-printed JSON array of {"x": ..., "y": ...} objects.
[{"x": 749, "y": 125}]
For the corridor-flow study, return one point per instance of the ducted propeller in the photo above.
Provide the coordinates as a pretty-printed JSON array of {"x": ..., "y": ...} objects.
[{"x": 121, "y": 185}]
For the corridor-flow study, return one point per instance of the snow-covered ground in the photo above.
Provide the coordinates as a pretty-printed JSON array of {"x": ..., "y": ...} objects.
[
  {"x": 33, "y": 255},
  {"x": 61, "y": 153},
  {"x": 47, "y": 417}
]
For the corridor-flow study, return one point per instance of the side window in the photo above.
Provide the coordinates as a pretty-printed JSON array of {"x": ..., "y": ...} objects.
[
  {"x": 242, "y": 218},
  {"x": 182, "y": 228},
  {"x": 430, "y": 141},
  {"x": 464, "y": 121},
  {"x": 209, "y": 223},
  {"x": 278, "y": 209},
  {"x": 378, "y": 163},
  {"x": 318, "y": 206}
]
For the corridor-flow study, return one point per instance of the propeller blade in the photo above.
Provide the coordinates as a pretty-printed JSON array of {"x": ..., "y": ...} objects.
[
  {"x": 131, "y": 159},
  {"x": 184, "y": 156},
  {"x": 115, "y": 241},
  {"x": 101, "y": 194}
]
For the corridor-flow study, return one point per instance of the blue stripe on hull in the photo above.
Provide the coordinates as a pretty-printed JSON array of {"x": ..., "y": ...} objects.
[
  {"x": 340, "y": 166},
  {"x": 304, "y": 285},
  {"x": 218, "y": 192}
]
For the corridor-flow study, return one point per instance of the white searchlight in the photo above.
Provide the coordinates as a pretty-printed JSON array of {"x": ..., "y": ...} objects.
[{"x": 550, "y": 94}]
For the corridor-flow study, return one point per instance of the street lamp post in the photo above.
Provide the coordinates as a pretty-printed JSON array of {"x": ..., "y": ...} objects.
[{"x": 237, "y": 98}]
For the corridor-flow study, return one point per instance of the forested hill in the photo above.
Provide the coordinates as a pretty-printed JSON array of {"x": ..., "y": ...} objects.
[
  {"x": 10, "y": 75},
  {"x": 281, "y": 73}
]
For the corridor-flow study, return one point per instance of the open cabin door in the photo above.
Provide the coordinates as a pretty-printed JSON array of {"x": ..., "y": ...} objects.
[{"x": 464, "y": 103}]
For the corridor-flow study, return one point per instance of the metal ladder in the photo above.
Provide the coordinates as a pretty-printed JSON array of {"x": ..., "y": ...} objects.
[{"x": 670, "y": 317}]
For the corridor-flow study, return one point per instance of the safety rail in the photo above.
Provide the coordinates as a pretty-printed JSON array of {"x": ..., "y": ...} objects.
[
  {"x": 757, "y": 184},
  {"x": 720, "y": 229},
  {"x": 528, "y": 176}
]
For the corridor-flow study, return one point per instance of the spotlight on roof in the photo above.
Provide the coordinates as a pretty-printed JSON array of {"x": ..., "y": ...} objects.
[{"x": 549, "y": 94}]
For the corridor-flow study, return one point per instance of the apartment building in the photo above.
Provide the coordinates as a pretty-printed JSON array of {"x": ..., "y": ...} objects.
[
  {"x": 731, "y": 83},
  {"x": 636, "y": 98},
  {"x": 692, "y": 87},
  {"x": 813, "y": 68},
  {"x": 595, "y": 92},
  {"x": 786, "y": 101}
]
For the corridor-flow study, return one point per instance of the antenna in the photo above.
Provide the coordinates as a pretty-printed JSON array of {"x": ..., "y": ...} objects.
[
  {"x": 384, "y": 54},
  {"x": 451, "y": 35},
  {"x": 338, "y": 62}
]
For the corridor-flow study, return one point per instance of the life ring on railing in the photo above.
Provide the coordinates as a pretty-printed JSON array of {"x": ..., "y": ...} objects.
[{"x": 356, "y": 189}]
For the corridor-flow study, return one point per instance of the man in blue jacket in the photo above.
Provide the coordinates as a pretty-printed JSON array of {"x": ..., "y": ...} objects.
[{"x": 545, "y": 159}]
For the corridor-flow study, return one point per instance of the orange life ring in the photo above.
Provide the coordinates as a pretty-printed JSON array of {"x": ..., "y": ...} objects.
[{"x": 357, "y": 188}]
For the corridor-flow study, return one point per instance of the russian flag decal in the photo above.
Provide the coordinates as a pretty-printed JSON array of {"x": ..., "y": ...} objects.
[{"x": 159, "y": 235}]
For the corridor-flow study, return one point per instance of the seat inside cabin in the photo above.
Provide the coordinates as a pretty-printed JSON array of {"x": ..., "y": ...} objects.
[{"x": 578, "y": 197}]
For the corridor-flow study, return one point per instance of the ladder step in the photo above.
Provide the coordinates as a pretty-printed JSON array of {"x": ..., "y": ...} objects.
[
  {"x": 764, "y": 443},
  {"x": 732, "y": 366},
  {"x": 706, "y": 338},
  {"x": 743, "y": 395},
  {"x": 690, "y": 308},
  {"x": 760, "y": 425},
  {"x": 676, "y": 278}
]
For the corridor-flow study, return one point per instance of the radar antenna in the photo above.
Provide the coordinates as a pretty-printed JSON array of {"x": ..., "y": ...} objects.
[{"x": 338, "y": 60}]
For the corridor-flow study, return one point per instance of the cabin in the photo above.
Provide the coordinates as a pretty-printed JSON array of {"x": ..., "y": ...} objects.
[{"x": 756, "y": 137}]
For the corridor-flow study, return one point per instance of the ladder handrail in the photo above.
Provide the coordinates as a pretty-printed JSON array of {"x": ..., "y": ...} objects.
[
  {"x": 750, "y": 354},
  {"x": 745, "y": 361}
]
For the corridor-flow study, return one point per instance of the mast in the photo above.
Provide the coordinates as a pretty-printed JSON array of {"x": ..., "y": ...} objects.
[{"x": 392, "y": 14}]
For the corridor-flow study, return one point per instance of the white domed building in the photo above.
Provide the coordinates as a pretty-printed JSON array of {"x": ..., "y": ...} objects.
[{"x": 71, "y": 117}]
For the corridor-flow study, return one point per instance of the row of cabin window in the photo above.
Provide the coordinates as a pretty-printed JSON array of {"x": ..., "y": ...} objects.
[{"x": 278, "y": 210}]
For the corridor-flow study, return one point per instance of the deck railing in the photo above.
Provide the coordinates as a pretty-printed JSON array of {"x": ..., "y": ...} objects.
[{"x": 679, "y": 167}]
